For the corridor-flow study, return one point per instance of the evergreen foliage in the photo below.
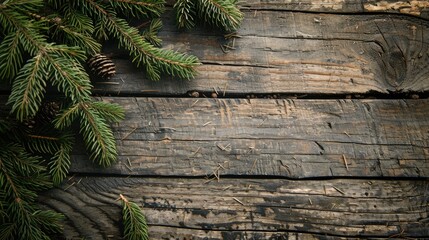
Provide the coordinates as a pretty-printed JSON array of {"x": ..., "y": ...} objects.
[
  {"x": 44, "y": 45},
  {"x": 135, "y": 226},
  {"x": 220, "y": 13}
]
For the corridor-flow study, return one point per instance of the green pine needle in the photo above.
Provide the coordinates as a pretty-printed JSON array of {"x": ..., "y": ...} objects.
[
  {"x": 97, "y": 135},
  {"x": 155, "y": 59},
  {"x": 67, "y": 74},
  {"x": 11, "y": 58},
  {"x": 139, "y": 9},
  {"x": 111, "y": 112},
  {"x": 28, "y": 88},
  {"x": 185, "y": 13},
  {"x": 66, "y": 117},
  {"x": 135, "y": 226},
  {"x": 150, "y": 34},
  {"x": 59, "y": 164},
  {"x": 221, "y": 13}
]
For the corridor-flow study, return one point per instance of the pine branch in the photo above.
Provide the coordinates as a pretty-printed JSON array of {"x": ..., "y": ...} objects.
[
  {"x": 30, "y": 38},
  {"x": 28, "y": 88},
  {"x": 59, "y": 148},
  {"x": 66, "y": 117},
  {"x": 150, "y": 34},
  {"x": 97, "y": 135},
  {"x": 20, "y": 176},
  {"x": 59, "y": 164},
  {"x": 79, "y": 21},
  {"x": 154, "y": 59},
  {"x": 185, "y": 13},
  {"x": 11, "y": 58},
  {"x": 221, "y": 13},
  {"x": 111, "y": 112},
  {"x": 68, "y": 74},
  {"x": 42, "y": 144},
  {"x": 139, "y": 9},
  {"x": 135, "y": 226},
  {"x": 75, "y": 30}
]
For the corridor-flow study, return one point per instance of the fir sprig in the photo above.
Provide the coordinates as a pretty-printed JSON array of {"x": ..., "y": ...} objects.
[
  {"x": 139, "y": 9},
  {"x": 223, "y": 14},
  {"x": 155, "y": 60},
  {"x": 220, "y": 13},
  {"x": 21, "y": 175},
  {"x": 185, "y": 13},
  {"x": 151, "y": 33},
  {"x": 135, "y": 226}
]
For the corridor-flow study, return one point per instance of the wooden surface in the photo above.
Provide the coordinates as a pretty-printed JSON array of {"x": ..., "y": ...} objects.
[
  {"x": 419, "y": 8},
  {"x": 293, "y": 52},
  {"x": 283, "y": 138},
  {"x": 237, "y": 168},
  {"x": 231, "y": 207}
]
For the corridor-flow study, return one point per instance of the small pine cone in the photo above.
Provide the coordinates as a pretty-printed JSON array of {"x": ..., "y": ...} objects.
[
  {"x": 102, "y": 66},
  {"x": 48, "y": 112}
]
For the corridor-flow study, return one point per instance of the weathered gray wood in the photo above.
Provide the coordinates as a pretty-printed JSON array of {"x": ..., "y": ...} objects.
[
  {"x": 291, "y": 52},
  {"x": 283, "y": 137},
  {"x": 416, "y": 8},
  {"x": 238, "y": 207}
]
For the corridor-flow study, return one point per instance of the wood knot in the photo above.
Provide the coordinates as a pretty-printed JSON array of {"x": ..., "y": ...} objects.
[{"x": 395, "y": 64}]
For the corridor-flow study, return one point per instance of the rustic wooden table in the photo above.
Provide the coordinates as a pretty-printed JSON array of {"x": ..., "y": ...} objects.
[{"x": 316, "y": 131}]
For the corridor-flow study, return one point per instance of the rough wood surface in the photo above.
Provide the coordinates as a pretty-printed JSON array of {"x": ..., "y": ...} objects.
[
  {"x": 292, "y": 52},
  {"x": 283, "y": 137},
  {"x": 418, "y": 8},
  {"x": 260, "y": 208}
]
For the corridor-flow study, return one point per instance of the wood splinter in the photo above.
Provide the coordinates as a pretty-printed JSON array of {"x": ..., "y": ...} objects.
[
  {"x": 345, "y": 162},
  {"x": 69, "y": 186},
  {"x": 128, "y": 134},
  {"x": 339, "y": 190},
  {"x": 238, "y": 201}
]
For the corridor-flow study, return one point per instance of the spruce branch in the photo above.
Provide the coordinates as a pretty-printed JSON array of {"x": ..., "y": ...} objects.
[
  {"x": 139, "y": 9},
  {"x": 67, "y": 74},
  {"x": 59, "y": 164},
  {"x": 185, "y": 11},
  {"x": 111, "y": 112},
  {"x": 42, "y": 144},
  {"x": 135, "y": 226},
  {"x": 21, "y": 174},
  {"x": 150, "y": 34},
  {"x": 75, "y": 36},
  {"x": 28, "y": 88},
  {"x": 97, "y": 135},
  {"x": 221, "y": 13},
  {"x": 11, "y": 58},
  {"x": 59, "y": 148},
  {"x": 154, "y": 59},
  {"x": 66, "y": 117}
]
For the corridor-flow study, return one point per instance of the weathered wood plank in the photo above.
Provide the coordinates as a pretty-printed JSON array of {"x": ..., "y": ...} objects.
[
  {"x": 291, "y": 52},
  {"x": 416, "y": 8},
  {"x": 283, "y": 137},
  {"x": 238, "y": 207}
]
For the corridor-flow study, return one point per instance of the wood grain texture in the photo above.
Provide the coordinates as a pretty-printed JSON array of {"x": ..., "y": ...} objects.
[
  {"x": 290, "y": 52},
  {"x": 418, "y": 8},
  {"x": 283, "y": 137},
  {"x": 178, "y": 208}
]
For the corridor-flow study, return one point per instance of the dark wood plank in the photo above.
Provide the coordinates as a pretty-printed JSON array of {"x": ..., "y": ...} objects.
[
  {"x": 416, "y": 8},
  {"x": 290, "y": 52},
  {"x": 283, "y": 137},
  {"x": 242, "y": 207}
]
